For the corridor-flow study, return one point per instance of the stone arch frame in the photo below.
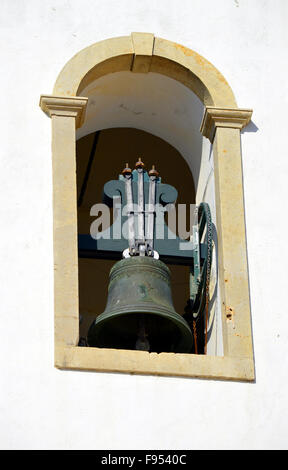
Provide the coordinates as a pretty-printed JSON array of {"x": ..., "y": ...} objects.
[{"x": 221, "y": 124}]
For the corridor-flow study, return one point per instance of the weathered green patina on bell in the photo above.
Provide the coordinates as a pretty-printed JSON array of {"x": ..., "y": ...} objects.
[{"x": 139, "y": 313}]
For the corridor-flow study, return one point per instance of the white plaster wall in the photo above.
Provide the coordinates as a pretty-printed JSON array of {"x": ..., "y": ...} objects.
[{"x": 41, "y": 407}]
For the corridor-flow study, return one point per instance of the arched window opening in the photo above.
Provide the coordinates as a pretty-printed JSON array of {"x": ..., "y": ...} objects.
[
  {"x": 161, "y": 88},
  {"x": 100, "y": 157}
]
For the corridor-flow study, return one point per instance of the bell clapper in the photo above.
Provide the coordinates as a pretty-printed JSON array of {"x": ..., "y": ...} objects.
[{"x": 142, "y": 342}]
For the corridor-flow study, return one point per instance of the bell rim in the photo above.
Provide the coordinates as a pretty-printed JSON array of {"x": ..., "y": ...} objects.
[{"x": 164, "y": 312}]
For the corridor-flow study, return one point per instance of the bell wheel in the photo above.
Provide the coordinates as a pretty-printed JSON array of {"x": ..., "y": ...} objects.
[{"x": 197, "y": 306}]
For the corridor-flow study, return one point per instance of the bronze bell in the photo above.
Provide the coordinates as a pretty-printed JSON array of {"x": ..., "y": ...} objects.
[{"x": 139, "y": 313}]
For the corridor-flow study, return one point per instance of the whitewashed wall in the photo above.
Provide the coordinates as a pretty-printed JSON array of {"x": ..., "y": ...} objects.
[{"x": 41, "y": 407}]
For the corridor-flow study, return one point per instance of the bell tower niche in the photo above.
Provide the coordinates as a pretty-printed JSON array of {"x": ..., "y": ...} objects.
[{"x": 139, "y": 313}]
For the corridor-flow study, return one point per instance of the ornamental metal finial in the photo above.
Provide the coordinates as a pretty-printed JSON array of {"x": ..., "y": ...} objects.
[
  {"x": 139, "y": 164},
  {"x": 127, "y": 170},
  {"x": 153, "y": 172}
]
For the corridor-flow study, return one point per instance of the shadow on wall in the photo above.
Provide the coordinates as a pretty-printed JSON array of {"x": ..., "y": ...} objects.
[{"x": 251, "y": 127}]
